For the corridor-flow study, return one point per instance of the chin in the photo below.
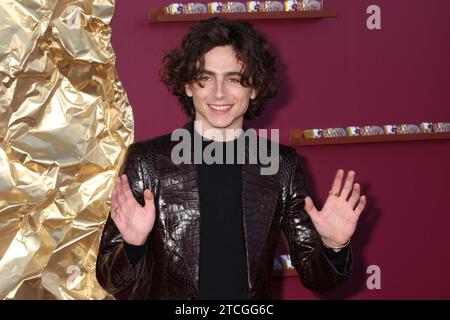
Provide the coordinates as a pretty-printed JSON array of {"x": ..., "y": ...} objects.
[{"x": 220, "y": 123}]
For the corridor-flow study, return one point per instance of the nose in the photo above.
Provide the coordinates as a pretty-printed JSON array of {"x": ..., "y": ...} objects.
[{"x": 219, "y": 90}]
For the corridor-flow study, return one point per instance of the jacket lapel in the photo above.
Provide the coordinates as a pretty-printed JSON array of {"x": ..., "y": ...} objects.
[{"x": 259, "y": 200}]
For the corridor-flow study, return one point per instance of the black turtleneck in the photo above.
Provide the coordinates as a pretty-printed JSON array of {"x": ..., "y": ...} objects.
[{"x": 223, "y": 267}]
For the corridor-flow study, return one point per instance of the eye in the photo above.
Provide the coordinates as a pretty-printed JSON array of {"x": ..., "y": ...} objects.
[
  {"x": 234, "y": 80},
  {"x": 204, "y": 78}
]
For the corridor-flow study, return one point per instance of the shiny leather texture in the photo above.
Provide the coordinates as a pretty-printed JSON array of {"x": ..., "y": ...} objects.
[{"x": 170, "y": 267}]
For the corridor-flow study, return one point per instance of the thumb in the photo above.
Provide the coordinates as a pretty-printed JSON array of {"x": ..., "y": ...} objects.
[
  {"x": 148, "y": 198},
  {"x": 309, "y": 207}
]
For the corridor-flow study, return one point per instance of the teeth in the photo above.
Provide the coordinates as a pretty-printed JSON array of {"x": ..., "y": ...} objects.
[{"x": 217, "y": 107}]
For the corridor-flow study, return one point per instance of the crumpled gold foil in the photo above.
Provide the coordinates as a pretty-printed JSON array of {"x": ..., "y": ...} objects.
[{"x": 65, "y": 123}]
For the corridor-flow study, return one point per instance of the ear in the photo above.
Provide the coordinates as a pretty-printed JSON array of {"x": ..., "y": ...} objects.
[
  {"x": 253, "y": 94},
  {"x": 188, "y": 89}
]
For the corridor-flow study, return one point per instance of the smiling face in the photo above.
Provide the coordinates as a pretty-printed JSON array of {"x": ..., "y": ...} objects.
[{"x": 219, "y": 99}]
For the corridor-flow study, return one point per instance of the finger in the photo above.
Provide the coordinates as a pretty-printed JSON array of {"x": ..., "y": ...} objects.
[
  {"x": 148, "y": 198},
  {"x": 117, "y": 186},
  {"x": 114, "y": 204},
  {"x": 118, "y": 221},
  {"x": 114, "y": 209},
  {"x": 336, "y": 186},
  {"x": 361, "y": 205},
  {"x": 348, "y": 184},
  {"x": 114, "y": 215},
  {"x": 126, "y": 189},
  {"x": 120, "y": 193},
  {"x": 310, "y": 208},
  {"x": 354, "y": 197},
  {"x": 118, "y": 189}
]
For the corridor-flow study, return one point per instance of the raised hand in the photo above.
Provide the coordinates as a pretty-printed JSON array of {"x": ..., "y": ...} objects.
[
  {"x": 133, "y": 221},
  {"x": 337, "y": 220}
]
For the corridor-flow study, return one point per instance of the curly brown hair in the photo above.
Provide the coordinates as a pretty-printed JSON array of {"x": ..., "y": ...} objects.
[{"x": 184, "y": 64}]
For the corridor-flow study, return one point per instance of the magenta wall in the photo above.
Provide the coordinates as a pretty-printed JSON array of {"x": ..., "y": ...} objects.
[{"x": 338, "y": 73}]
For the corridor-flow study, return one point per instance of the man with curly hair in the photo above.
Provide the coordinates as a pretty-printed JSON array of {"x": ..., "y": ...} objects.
[{"x": 202, "y": 230}]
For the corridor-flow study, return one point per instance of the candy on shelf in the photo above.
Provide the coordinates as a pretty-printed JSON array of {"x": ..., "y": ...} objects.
[
  {"x": 408, "y": 128},
  {"x": 441, "y": 127},
  {"x": 238, "y": 6},
  {"x": 314, "y": 133},
  {"x": 390, "y": 129},
  {"x": 180, "y": 8},
  {"x": 353, "y": 131},
  {"x": 426, "y": 127},
  {"x": 335, "y": 132},
  {"x": 226, "y": 7}
]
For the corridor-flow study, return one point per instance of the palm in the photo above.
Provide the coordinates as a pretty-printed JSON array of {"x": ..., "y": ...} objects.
[
  {"x": 133, "y": 221},
  {"x": 337, "y": 220},
  {"x": 139, "y": 221}
]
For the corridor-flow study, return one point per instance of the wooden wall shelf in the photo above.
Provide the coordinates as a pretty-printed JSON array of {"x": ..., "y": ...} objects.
[
  {"x": 296, "y": 138},
  {"x": 285, "y": 273},
  {"x": 156, "y": 15}
]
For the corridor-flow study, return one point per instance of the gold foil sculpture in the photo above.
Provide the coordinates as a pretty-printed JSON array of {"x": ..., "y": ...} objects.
[{"x": 65, "y": 123}]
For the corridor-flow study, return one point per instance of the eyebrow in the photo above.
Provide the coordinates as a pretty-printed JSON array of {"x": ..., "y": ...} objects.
[{"x": 230, "y": 73}]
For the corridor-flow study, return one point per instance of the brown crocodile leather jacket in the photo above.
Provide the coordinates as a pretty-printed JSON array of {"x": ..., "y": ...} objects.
[{"x": 170, "y": 267}]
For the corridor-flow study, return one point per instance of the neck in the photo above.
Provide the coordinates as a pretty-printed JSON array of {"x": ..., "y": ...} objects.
[{"x": 217, "y": 134}]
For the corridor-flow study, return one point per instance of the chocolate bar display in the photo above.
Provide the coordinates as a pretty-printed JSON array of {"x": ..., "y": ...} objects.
[
  {"x": 312, "y": 4},
  {"x": 274, "y": 6},
  {"x": 179, "y": 8},
  {"x": 314, "y": 133},
  {"x": 264, "y": 6},
  {"x": 353, "y": 131},
  {"x": 408, "y": 128},
  {"x": 390, "y": 129},
  {"x": 292, "y": 5},
  {"x": 371, "y": 130},
  {"x": 335, "y": 132},
  {"x": 226, "y": 7},
  {"x": 248, "y": 6},
  {"x": 441, "y": 127},
  {"x": 426, "y": 127}
]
